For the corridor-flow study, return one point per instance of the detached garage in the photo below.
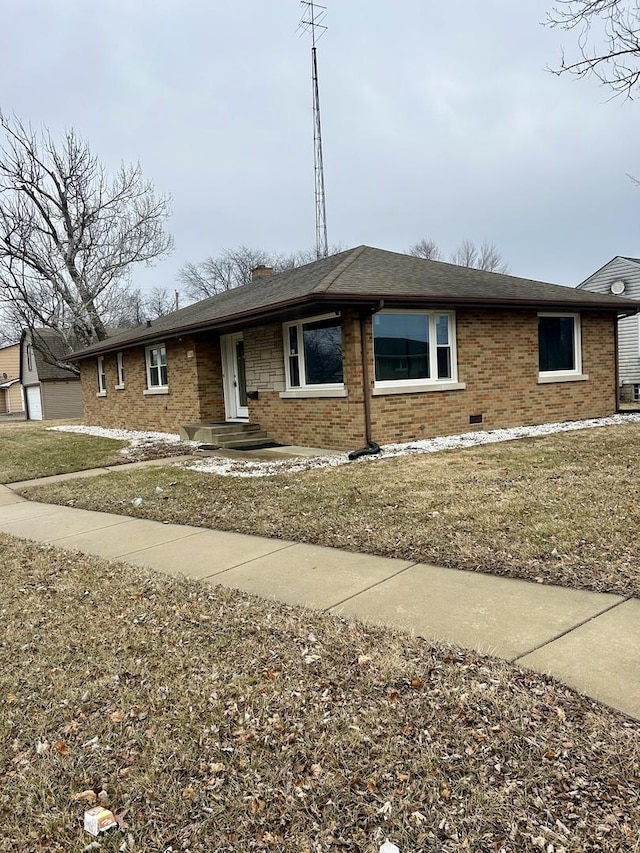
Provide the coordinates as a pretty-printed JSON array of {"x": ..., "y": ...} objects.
[{"x": 52, "y": 391}]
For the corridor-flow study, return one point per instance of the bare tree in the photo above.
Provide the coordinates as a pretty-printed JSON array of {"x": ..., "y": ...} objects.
[
  {"x": 466, "y": 255},
  {"x": 161, "y": 301},
  {"x": 427, "y": 249},
  {"x": 223, "y": 272},
  {"x": 134, "y": 307},
  {"x": 484, "y": 257},
  {"x": 233, "y": 267},
  {"x": 608, "y": 40},
  {"x": 69, "y": 233}
]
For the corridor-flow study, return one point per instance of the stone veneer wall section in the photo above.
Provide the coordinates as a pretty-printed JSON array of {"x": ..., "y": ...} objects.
[{"x": 194, "y": 380}]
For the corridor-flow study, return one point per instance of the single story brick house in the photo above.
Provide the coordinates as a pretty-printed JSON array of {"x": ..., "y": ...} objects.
[{"x": 364, "y": 345}]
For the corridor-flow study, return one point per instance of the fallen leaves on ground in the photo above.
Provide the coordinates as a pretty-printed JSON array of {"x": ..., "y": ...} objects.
[{"x": 382, "y": 736}]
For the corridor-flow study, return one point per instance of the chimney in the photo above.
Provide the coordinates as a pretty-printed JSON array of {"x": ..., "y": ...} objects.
[{"x": 261, "y": 271}]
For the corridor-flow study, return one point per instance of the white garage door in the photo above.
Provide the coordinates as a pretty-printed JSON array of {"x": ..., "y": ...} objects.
[{"x": 34, "y": 402}]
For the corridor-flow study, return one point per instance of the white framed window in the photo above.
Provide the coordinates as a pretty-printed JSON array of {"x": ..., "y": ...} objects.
[
  {"x": 415, "y": 350},
  {"x": 120, "y": 370},
  {"x": 156, "y": 361},
  {"x": 559, "y": 347},
  {"x": 313, "y": 354},
  {"x": 102, "y": 378}
]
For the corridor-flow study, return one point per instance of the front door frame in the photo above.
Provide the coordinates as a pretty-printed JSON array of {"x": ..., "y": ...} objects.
[{"x": 233, "y": 409}]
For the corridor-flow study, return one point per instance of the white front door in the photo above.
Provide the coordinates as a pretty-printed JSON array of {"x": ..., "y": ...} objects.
[{"x": 234, "y": 378}]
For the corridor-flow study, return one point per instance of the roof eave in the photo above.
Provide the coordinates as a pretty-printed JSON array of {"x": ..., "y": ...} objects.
[{"x": 342, "y": 299}]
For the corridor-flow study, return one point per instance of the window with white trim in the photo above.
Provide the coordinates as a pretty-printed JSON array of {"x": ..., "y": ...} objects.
[
  {"x": 559, "y": 346},
  {"x": 102, "y": 377},
  {"x": 414, "y": 348},
  {"x": 313, "y": 353},
  {"x": 120, "y": 369},
  {"x": 156, "y": 359}
]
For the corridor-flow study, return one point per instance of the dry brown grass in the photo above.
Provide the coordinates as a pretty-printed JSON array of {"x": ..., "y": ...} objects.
[
  {"x": 212, "y": 720},
  {"x": 562, "y": 509}
]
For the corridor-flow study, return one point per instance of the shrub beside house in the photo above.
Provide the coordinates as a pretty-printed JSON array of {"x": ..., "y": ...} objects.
[{"x": 366, "y": 344}]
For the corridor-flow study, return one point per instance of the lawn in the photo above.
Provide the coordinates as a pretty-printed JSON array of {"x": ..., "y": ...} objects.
[
  {"x": 28, "y": 451},
  {"x": 210, "y": 720},
  {"x": 563, "y": 509}
]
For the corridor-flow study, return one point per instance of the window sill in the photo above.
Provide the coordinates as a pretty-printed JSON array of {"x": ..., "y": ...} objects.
[
  {"x": 119, "y": 387},
  {"x": 153, "y": 392},
  {"x": 101, "y": 394},
  {"x": 302, "y": 393},
  {"x": 382, "y": 390},
  {"x": 568, "y": 377}
]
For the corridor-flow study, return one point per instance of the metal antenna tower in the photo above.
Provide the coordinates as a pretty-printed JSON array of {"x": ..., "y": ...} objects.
[{"x": 313, "y": 22}]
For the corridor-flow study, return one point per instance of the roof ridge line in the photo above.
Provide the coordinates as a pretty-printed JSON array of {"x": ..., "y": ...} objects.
[{"x": 331, "y": 277}]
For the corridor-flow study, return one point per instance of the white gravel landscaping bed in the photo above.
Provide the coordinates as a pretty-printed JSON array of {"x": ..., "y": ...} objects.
[
  {"x": 265, "y": 468},
  {"x": 138, "y": 439}
]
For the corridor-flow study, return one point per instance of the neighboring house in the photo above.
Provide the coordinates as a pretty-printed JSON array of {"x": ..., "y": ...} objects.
[
  {"x": 621, "y": 277},
  {"x": 11, "y": 393},
  {"x": 364, "y": 345},
  {"x": 50, "y": 389}
]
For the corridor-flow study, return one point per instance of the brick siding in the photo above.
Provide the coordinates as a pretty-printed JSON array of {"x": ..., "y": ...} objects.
[
  {"x": 497, "y": 360},
  {"x": 194, "y": 378}
]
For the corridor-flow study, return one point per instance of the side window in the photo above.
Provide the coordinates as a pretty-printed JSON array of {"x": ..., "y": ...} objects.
[
  {"x": 102, "y": 377},
  {"x": 156, "y": 357},
  {"x": 120, "y": 369},
  {"x": 559, "y": 345}
]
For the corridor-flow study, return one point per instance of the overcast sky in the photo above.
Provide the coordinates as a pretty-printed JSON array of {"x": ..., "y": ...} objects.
[{"x": 439, "y": 120}]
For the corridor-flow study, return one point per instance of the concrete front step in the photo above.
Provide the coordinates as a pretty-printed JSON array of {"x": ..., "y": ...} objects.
[
  {"x": 249, "y": 443},
  {"x": 223, "y": 434}
]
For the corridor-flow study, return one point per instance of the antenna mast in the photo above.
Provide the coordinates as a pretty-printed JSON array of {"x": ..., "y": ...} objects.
[{"x": 312, "y": 22}]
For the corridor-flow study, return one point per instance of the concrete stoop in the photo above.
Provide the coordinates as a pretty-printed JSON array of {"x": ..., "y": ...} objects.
[{"x": 227, "y": 435}]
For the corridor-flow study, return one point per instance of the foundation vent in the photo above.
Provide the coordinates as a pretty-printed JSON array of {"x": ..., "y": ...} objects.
[{"x": 476, "y": 419}]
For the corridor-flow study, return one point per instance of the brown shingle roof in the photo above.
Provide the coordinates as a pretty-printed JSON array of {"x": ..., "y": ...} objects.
[{"x": 359, "y": 276}]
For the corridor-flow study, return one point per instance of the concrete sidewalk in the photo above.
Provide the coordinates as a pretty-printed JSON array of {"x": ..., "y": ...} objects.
[{"x": 587, "y": 640}]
